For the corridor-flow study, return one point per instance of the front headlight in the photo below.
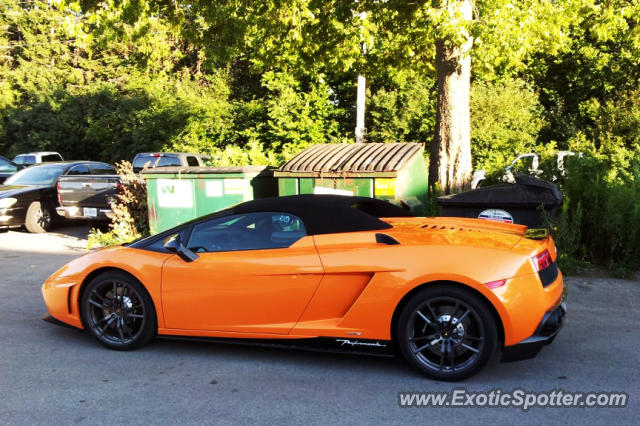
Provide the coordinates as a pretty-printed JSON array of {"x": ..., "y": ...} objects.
[{"x": 7, "y": 202}]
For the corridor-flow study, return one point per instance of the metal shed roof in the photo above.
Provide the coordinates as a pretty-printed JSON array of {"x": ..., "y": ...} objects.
[{"x": 350, "y": 158}]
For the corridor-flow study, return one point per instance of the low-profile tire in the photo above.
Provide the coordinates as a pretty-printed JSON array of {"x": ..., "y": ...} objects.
[
  {"x": 118, "y": 311},
  {"x": 446, "y": 332},
  {"x": 40, "y": 218}
]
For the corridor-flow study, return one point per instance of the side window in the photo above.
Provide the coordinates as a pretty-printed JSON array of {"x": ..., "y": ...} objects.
[
  {"x": 249, "y": 231},
  {"x": 192, "y": 161},
  {"x": 25, "y": 159},
  {"x": 102, "y": 169},
  {"x": 80, "y": 169},
  {"x": 51, "y": 157},
  {"x": 158, "y": 245},
  {"x": 6, "y": 166}
]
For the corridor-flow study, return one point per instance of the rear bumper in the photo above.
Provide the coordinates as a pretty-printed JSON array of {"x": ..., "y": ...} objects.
[
  {"x": 78, "y": 213},
  {"x": 545, "y": 333}
]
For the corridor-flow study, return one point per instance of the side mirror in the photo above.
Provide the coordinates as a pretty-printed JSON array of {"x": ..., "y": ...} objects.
[{"x": 173, "y": 243}]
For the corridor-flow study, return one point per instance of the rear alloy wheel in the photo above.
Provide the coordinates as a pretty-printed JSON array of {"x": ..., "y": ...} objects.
[
  {"x": 118, "y": 311},
  {"x": 39, "y": 218},
  {"x": 447, "y": 333}
]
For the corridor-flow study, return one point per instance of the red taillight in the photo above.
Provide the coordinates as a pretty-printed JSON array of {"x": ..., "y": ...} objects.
[
  {"x": 496, "y": 284},
  {"x": 542, "y": 261},
  {"x": 59, "y": 196}
]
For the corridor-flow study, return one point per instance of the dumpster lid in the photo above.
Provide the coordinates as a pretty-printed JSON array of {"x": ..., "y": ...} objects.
[
  {"x": 261, "y": 170},
  {"x": 527, "y": 191},
  {"x": 350, "y": 157}
]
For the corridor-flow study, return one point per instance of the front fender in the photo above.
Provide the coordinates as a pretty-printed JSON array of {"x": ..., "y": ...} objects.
[{"x": 64, "y": 286}]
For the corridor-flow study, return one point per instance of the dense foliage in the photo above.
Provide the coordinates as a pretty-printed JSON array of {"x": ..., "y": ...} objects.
[
  {"x": 255, "y": 82},
  {"x": 130, "y": 218}
]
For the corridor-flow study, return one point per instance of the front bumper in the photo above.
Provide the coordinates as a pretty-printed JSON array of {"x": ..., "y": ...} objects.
[
  {"x": 78, "y": 213},
  {"x": 48, "y": 318},
  {"x": 545, "y": 333},
  {"x": 12, "y": 216}
]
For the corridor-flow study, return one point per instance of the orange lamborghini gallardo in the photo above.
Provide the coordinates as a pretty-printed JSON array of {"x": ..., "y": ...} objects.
[{"x": 324, "y": 272}]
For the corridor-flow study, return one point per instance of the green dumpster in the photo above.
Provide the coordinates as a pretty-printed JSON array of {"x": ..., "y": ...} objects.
[
  {"x": 391, "y": 171},
  {"x": 178, "y": 194}
]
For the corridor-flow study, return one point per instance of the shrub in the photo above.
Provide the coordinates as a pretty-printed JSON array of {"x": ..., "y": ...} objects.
[
  {"x": 130, "y": 217},
  {"x": 599, "y": 220}
]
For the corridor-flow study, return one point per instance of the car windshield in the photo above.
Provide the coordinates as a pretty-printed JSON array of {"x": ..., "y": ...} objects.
[
  {"x": 38, "y": 175},
  {"x": 6, "y": 166}
]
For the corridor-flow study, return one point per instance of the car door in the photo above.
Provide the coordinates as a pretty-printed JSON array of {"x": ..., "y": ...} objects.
[{"x": 255, "y": 273}]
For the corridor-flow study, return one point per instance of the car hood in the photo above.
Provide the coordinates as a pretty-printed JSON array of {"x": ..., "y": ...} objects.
[
  {"x": 12, "y": 190},
  {"x": 458, "y": 231}
]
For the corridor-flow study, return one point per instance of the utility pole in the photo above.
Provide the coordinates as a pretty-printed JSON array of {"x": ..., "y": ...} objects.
[{"x": 361, "y": 130}]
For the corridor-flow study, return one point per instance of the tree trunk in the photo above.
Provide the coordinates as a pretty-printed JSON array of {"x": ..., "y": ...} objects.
[{"x": 450, "y": 163}]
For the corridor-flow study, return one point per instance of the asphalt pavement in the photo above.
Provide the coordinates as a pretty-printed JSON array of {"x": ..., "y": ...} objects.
[{"x": 56, "y": 375}]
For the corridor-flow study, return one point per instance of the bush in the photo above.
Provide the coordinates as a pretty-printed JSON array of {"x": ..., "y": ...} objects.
[
  {"x": 130, "y": 215},
  {"x": 599, "y": 222}
]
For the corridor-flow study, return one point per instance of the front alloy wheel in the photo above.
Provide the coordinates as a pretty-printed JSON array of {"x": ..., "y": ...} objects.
[
  {"x": 446, "y": 332},
  {"x": 118, "y": 311}
]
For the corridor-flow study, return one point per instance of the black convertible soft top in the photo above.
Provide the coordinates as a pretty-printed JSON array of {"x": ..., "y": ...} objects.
[
  {"x": 320, "y": 213},
  {"x": 328, "y": 214}
]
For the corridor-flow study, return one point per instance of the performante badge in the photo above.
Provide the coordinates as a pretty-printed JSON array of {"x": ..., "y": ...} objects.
[{"x": 349, "y": 342}]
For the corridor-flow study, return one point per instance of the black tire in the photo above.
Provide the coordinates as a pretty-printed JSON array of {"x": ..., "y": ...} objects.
[
  {"x": 118, "y": 311},
  {"x": 40, "y": 217},
  {"x": 446, "y": 332}
]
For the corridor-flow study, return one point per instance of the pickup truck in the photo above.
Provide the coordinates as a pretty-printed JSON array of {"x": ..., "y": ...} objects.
[
  {"x": 85, "y": 192},
  {"x": 168, "y": 159}
]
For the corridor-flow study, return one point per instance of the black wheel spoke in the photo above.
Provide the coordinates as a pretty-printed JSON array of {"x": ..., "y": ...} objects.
[
  {"x": 107, "y": 325},
  {"x": 417, "y": 339},
  {"x": 433, "y": 314},
  {"x": 452, "y": 337},
  {"x": 463, "y": 316},
  {"x": 453, "y": 314},
  {"x": 128, "y": 331},
  {"x": 96, "y": 304},
  {"x": 102, "y": 299},
  {"x": 464, "y": 345},
  {"x": 121, "y": 333},
  {"x": 421, "y": 348},
  {"x": 115, "y": 312},
  {"x": 426, "y": 320},
  {"x": 452, "y": 356}
]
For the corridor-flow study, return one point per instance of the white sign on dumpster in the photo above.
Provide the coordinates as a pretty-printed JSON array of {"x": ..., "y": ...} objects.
[
  {"x": 175, "y": 193},
  {"x": 333, "y": 191},
  {"x": 213, "y": 188}
]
